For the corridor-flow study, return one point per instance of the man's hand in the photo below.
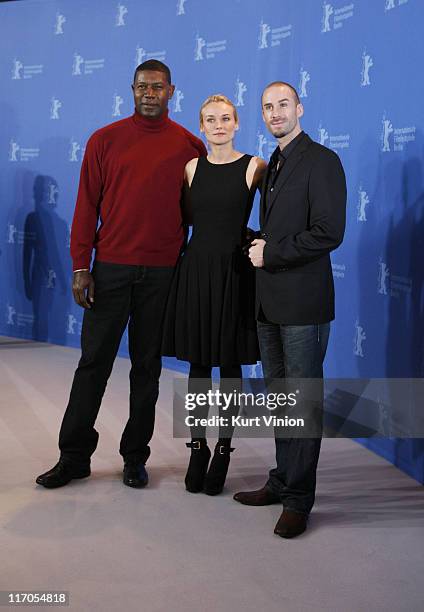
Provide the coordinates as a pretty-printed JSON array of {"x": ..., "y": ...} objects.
[
  {"x": 83, "y": 288},
  {"x": 256, "y": 253}
]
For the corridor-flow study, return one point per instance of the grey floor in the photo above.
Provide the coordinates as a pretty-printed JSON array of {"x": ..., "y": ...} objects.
[{"x": 160, "y": 548}]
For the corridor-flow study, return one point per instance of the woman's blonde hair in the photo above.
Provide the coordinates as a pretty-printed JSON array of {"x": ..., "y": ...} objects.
[{"x": 218, "y": 98}]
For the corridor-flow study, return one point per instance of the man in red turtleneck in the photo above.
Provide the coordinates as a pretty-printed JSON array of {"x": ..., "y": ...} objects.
[{"x": 128, "y": 212}]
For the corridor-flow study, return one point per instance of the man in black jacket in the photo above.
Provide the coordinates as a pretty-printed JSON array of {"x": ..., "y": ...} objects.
[{"x": 302, "y": 218}]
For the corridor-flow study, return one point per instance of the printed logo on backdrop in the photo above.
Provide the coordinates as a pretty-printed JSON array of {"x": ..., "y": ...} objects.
[
  {"x": 367, "y": 63},
  {"x": 116, "y": 105},
  {"x": 11, "y": 233},
  {"x": 305, "y": 77},
  {"x": 393, "y": 285},
  {"x": 121, "y": 11},
  {"x": 358, "y": 340},
  {"x": 25, "y": 71},
  {"x": 180, "y": 7},
  {"x": 384, "y": 421},
  {"x": 10, "y": 314},
  {"x": 334, "y": 18},
  {"x": 264, "y": 147},
  {"x": 51, "y": 279},
  {"x": 15, "y": 236},
  {"x": 76, "y": 153},
  {"x": 395, "y": 138},
  {"x": 383, "y": 277},
  {"x": 53, "y": 194},
  {"x": 391, "y": 4},
  {"x": 73, "y": 326},
  {"x": 254, "y": 370},
  {"x": 385, "y": 134},
  {"x": 178, "y": 98},
  {"x": 339, "y": 270},
  {"x": 54, "y": 108},
  {"x": 272, "y": 37},
  {"x": 14, "y": 151},
  {"x": 207, "y": 50},
  {"x": 363, "y": 201},
  {"x": 19, "y": 319},
  {"x": 82, "y": 66},
  {"x": 322, "y": 135},
  {"x": 333, "y": 141},
  {"x": 18, "y": 153},
  {"x": 239, "y": 93},
  {"x": 141, "y": 55},
  {"x": 58, "y": 26}
]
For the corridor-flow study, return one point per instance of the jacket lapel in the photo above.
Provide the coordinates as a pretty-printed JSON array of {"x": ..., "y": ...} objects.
[
  {"x": 263, "y": 196},
  {"x": 293, "y": 160}
]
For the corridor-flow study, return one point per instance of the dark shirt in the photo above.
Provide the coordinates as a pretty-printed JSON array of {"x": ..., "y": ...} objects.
[{"x": 276, "y": 162}]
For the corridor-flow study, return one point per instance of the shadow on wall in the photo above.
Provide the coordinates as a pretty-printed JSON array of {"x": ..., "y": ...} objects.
[
  {"x": 404, "y": 260},
  {"x": 45, "y": 248},
  {"x": 21, "y": 202},
  {"x": 391, "y": 306},
  {"x": 405, "y": 270}
]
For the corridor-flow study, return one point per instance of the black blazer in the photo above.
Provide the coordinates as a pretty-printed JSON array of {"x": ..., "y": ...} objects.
[{"x": 304, "y": 221}]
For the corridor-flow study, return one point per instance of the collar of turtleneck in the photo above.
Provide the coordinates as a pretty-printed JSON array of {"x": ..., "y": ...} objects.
[{"x": 151, "y": 124}]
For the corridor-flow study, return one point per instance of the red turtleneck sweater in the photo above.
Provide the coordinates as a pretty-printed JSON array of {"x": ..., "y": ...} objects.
[{"x": 131, "y": 180}]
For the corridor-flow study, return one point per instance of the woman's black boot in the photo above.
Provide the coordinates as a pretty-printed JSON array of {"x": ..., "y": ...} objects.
[
  {"x": 198, "y": 465},
  {"x": 217, "y": 473}
]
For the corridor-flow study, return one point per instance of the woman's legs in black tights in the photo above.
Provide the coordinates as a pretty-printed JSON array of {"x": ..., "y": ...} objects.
[
  {"x": 199, "y": 381},
  {"x": 231, "y": 382},
  {"x": 215, "y": 478}
]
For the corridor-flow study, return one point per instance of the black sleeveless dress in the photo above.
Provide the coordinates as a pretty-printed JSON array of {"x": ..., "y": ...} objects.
[{"x": 210, "y": 316}]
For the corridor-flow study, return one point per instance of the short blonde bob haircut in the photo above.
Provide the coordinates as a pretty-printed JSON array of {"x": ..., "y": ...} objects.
[{"x": 217, "y": 98}]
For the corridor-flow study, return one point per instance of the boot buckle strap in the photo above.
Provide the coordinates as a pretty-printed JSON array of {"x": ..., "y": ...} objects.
[
  {"x": 194, "y": 445},
  {"x": 222, "y": 449}
]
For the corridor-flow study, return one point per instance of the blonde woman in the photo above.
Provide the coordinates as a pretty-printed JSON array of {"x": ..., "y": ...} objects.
[{"x": 210, "y": 315}]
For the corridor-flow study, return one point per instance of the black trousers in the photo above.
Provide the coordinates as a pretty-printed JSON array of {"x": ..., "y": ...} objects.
[{"x": 134, "y": 294}]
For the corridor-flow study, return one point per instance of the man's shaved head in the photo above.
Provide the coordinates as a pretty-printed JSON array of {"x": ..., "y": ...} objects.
[{"x": 283, "y": 83}]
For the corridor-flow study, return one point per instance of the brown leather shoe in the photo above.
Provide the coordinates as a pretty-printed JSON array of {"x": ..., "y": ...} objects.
[
  {"x": 291, "y": 524},
  {"x": 262, "y": 497}
]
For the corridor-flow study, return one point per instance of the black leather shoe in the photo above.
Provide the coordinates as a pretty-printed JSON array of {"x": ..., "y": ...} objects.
[
  {"x": 198, "y": 465},
  {"x": 61, "y": 474},
  {"x": 291, "y": 524},
  {"x": 261, "y": 497},
  {"x": 217, "y": 472},
  {"x": 135, "y": 475}
]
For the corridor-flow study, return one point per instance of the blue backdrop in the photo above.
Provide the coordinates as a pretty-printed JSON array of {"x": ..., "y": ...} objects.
[{"x": 66, "y": 68}]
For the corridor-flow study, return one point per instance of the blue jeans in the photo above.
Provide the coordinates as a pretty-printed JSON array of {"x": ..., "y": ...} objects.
[{"x": 294, "y": 351}]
